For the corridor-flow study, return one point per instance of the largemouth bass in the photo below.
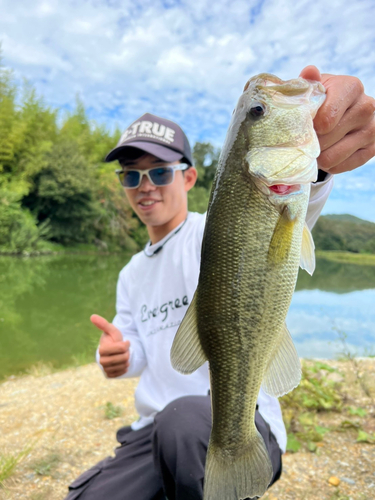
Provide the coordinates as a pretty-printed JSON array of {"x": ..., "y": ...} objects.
[{"x": 254, "y": 241}]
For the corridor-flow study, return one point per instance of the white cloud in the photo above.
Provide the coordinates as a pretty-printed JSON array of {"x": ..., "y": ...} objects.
[{"x": 185, "y": 60}]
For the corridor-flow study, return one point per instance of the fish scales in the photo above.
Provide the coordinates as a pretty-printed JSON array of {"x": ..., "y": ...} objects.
[
  {"x": 253, "y": 241},
  {"x": 235, "y": 325}
]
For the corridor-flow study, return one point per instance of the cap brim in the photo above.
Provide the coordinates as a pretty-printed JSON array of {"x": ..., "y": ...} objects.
[{"x": 161, "y": 152}]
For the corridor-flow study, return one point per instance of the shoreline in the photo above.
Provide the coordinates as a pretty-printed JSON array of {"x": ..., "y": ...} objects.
[
  {"x": 332, "y": 255},
  {"x": 66, "y": 421},
  {"x": 44, "y": 369}
]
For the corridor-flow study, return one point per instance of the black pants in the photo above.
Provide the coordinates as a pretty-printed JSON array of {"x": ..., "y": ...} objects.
[{"x": 164, "y": 459}]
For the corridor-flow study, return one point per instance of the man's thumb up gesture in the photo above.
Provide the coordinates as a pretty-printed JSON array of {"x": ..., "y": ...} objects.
[{"x": 114, "y": 352}]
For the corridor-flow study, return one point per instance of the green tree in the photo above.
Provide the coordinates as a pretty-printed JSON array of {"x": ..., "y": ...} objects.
[
  {"x": 18, "y": 229},
  {"x": 206, "y": 158},
  {"x": 62, "y": 194}
]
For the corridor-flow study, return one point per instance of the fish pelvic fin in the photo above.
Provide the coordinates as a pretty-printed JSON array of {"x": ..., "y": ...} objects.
[
  {"x": 307, "y": 261},
  {"x": 245, "y": 474},
  {"x": 281, "y": 240},
  {"x": 187, "y": 354},
  {"x": 283, "y": 372}
]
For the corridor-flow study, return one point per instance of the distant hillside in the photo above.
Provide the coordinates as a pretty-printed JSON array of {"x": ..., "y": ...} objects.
[
  {"x": 348, "y": 218},
  {"x": 344, "y": 232}
]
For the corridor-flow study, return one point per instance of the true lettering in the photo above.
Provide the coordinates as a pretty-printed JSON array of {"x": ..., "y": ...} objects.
[{"x": 145, "y": 128}]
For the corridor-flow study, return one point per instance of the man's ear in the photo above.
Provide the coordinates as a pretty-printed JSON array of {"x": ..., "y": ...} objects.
[{"x": 190, "y": 178}]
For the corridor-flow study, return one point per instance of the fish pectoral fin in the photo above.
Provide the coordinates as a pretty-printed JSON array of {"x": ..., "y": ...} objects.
[
  {"x": 283, "y": 372},
  {"x": 187, "y": 354},
  {"x": 307, "y": 261},
  {"x": 281, "y": 240}
]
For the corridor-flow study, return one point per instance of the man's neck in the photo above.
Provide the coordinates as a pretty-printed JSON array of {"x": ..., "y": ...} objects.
[{"x": 157, "y": 233}]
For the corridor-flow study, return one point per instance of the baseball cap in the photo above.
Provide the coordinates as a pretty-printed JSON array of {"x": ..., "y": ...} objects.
[{"x": 157, "y": 136}]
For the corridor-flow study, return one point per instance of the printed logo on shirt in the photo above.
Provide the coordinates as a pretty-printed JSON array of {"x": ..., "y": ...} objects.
[
  {"x": 172, "y": 324},
  {"x": 163, "y": 310}
]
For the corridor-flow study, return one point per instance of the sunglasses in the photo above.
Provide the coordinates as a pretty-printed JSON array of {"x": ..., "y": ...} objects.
[{"x": 158, "y": 176}]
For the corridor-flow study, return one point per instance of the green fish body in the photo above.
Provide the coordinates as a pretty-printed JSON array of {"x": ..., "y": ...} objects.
[{"x": 255, "y": 239}]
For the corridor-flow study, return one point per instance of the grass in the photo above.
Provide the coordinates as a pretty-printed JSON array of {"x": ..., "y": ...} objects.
[
  {"x": 40, "y": 369},
  {"x": 347, "y": 355},
  {"x": 111, "y": 411},
  {"x": 9, "y": 462},
  {"x": 316, "y": 394},
  {"x": 301, "y": 406},
  {"x": 43, "y": 368},
  {"x": 47, "y": 465},
  {"x": 42, "y": 495},
  {"x": 347, "y": 257}
]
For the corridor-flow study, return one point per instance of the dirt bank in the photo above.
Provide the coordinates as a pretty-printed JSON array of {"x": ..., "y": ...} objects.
[{"x": 60, "y": 422}]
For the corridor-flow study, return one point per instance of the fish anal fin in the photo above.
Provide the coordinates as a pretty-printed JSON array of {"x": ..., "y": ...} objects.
[
  {"x": 308, "y": 251},
  {"x": 186, "y": 353},
  {"x": 283, "y": 372}
]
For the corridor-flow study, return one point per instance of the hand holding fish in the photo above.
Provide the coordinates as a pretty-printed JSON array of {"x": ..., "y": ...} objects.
[
  {"x": 345, "y": 124},
  {"x": 113, "y": 350}
]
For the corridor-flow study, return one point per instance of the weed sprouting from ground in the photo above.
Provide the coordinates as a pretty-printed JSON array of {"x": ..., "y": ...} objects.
[
  {"x": 322, "y": 389},
  {"x": 347, "y": 355},
  {"x": 47, "y": 465},
  {"x": 300, "y": 407},
  {"x": 40, "y": 369},
  {"x": 111, "y": 411},
  {"x": 9, "y": 462}
]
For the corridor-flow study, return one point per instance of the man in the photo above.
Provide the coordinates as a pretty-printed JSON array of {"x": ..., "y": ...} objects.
[{"x": 163, "y": 453}]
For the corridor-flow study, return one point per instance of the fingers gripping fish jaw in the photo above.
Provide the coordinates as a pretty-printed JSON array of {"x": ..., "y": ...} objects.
[{"x": 277, "y": 122}]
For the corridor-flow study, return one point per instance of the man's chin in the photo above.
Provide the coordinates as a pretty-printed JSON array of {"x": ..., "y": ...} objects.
[{"x": 150, "y": 219}]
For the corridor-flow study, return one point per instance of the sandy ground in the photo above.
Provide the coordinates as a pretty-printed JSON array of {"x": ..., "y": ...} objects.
[{"x": 60, "y": 418}]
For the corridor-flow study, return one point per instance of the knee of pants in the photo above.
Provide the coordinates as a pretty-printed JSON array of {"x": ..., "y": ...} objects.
[{"x": 183, "y": 419}]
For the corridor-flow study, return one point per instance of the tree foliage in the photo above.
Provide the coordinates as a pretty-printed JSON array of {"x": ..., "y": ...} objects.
[
  {"x": 55, "y": 185},
  {"x": 206, "y": 157},
  {"x": 344, "y": 233}
]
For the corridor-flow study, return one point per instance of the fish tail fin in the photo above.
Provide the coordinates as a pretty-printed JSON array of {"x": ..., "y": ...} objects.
[{"x": 246, "y": 474}]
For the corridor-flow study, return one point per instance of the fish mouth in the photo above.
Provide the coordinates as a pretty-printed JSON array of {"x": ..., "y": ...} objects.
[{"x": 284, "y": 189}]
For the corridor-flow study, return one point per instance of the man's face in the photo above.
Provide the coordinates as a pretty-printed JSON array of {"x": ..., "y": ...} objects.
[{"x": 157, "y": 205}]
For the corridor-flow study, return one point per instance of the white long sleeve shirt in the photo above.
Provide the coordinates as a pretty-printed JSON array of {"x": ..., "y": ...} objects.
[{"x": 153, "y": 294}]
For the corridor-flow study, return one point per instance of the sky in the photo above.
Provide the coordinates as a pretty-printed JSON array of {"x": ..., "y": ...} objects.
[{"x": 187, "y": 60}]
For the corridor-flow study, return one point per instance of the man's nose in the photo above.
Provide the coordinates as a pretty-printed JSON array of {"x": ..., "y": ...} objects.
[{"x": 146, "y": 184}]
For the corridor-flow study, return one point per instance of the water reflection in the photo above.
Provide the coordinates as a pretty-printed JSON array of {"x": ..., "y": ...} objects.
[
  {"x": 337, "y": 277},
  {"x": 337, "y": 301},
  {"x": 45, "y": 304}
]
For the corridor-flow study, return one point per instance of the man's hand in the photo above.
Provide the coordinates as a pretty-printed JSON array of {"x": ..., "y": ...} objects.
[
  {"x": 345, "y": 123},
  {"x": 113, "y": 351}
]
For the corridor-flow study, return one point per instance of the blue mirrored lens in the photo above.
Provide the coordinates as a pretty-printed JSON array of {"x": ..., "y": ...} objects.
[
  {"x": 161, "y": 176},
  {"x": 131, "y": 178}
]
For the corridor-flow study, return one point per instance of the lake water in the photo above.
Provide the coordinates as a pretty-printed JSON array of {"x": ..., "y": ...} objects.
[{"x": 46, "y": 302}]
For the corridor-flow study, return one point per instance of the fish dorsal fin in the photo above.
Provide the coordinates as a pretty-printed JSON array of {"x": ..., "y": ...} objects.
[
  {"x": 187, "y": 354},
  {"x": 283, "y": 372},
  {"x": 307, "y": 261}
]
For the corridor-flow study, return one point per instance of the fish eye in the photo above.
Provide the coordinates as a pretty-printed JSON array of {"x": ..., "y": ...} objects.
[{"x": 257, "y": 110}]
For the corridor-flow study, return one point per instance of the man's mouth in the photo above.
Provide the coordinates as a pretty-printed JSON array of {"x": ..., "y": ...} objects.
[{"x": 147, "y": 203}]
